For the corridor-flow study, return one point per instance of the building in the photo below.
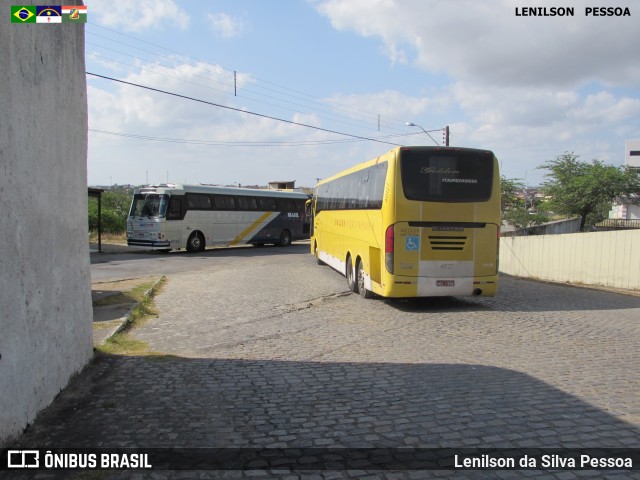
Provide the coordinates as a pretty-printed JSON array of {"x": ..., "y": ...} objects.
[
  {"x": 45, "y": 279},
  {"x": 282, "y": 185},
  {"x": 627, "y": 210},
  {"x": 632, "y": 153}
]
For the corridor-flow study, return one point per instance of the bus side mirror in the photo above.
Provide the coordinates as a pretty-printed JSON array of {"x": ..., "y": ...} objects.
[{"x": 307, "y": 208}]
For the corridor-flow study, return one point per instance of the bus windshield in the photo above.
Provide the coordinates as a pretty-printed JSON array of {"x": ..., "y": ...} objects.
[
  {"x": 149, "y": 205},
  {"x": 447, "y": 175}
]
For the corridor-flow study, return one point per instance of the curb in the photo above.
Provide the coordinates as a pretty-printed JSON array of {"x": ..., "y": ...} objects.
[{"x": 119, "y": 324}]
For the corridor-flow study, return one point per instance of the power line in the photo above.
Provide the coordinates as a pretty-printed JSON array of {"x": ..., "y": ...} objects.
[
  {"x": 237, "y": 144},
  {"x": 353, "y": 113},
  {"x": 354, "y": 122},
  {"x": 291, "y": 122}
]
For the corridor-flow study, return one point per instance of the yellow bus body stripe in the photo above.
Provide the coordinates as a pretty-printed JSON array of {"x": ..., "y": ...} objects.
[{"x": 247, "y": 230}]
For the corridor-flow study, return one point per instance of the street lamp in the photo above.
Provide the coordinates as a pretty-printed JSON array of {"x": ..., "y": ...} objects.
[{"x": 411, "y": 124}]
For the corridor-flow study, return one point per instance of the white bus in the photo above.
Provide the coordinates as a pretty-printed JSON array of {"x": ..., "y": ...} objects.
[{"x": 171, "y": 216}]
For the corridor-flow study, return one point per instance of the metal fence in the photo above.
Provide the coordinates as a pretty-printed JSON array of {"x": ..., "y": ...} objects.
[{"x": 618, "y": 224}]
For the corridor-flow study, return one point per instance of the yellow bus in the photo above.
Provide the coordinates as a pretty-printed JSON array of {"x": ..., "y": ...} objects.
[{"x": 414, "y": 222}]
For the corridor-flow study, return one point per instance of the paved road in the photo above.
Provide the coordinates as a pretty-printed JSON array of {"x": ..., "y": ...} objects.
[{"x": 267, "y": 349}]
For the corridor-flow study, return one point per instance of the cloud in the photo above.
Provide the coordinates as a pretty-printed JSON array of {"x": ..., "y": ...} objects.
[
  {"x": 528, "y": 88},
  {"x": 388, "y": 103},
  {"x": 486, "y": 42},
  {"x": 139, "y": 15},
  {"x": 226, "y": 26},
  {"x": 126, "y": 109}
]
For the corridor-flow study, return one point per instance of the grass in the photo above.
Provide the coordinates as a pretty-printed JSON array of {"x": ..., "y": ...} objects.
[
  {"x": 122, "y": 343},
  {"x": 119, "y": 238}
]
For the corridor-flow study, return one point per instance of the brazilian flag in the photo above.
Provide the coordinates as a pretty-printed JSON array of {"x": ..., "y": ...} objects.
[{"x": 20, "y": 14}]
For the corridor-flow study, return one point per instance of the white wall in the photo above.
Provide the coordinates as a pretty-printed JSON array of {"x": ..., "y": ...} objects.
[
  {"x": 45, "y": 292},
  {"x": 609, "y": 259}
]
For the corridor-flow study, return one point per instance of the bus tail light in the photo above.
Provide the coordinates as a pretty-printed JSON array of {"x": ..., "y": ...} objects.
[{"x": 388, "y": 248}]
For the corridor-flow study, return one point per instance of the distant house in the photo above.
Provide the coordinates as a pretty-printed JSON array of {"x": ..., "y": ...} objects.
[
  {"x": 282, "y": 185},
  {"x": 626, "y": 208}
]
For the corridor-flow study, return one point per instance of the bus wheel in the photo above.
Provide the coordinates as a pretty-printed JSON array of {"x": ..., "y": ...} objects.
[
  {"x": 195, "y": 243},
  {"x": 351, "y": 278},
  {"x": 285, "y": 238},
  {"x": 362, "y": 290}
]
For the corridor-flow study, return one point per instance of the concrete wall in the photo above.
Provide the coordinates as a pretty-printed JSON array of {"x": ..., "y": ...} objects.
[
  {"x": 610, "y": 259},
  {"x": 558, "y": 227},
  {"x": 45, "y": 288}
]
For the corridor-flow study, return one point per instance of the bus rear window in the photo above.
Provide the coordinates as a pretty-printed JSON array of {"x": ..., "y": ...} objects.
[{"x": 447, "y": 175}]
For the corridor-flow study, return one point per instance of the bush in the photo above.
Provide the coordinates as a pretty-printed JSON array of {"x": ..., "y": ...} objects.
[{"x": 115, "y": 209}]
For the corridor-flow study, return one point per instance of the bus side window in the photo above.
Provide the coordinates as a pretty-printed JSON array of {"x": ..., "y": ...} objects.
[
  {"x": 224, "y": 202},
  {"x": 198, "y": 201},
  {"x": 267, "y": 204},
  {"x": 286, "y": 204},
  {"x": 174, "y": 212},
  {"x": 247, "y": 203}
]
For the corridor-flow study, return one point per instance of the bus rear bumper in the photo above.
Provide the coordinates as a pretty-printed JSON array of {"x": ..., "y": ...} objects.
[{"x": 402, "y": 287}]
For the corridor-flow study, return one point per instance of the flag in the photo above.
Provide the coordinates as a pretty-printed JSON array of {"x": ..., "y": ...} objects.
[
  {"x": 20, "y": 14},
  {"x": 74, "y": 14},
  {"x": 48, "y": 14}
]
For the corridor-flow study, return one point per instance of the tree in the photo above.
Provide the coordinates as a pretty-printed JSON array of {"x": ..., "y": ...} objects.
[
  {"x": 586, "y": 189},
  {"x": 510, "y": 187},
  {"x": 514, "y": 207},
  {"x": 115, "y": 208}
]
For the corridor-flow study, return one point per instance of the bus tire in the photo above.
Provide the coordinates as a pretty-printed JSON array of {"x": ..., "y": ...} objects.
[
  {"x": 195, "y": 243},
  {"x": 285, "y": 238},
  {"x": 351, "y": 277},
  {"x": 362, "y": 290}
]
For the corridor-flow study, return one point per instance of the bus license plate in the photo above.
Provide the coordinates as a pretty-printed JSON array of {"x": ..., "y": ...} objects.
[{"x": 445, "y": 283}]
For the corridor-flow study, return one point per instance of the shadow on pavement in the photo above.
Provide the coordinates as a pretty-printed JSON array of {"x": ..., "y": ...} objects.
[
  {"x": 522, "y": 295},
  {"x": 120, "y": 401},
  {"x": 122, "y": 252}
]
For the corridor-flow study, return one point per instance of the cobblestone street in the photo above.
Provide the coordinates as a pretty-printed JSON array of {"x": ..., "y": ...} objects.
[{"x": 271, "y": 351}]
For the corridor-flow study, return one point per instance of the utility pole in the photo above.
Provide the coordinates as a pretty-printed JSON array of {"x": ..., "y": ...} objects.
[{"x": 446, "y": 136}]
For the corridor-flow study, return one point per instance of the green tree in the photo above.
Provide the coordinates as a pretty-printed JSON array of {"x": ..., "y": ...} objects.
[
  {"x": 586, "y": 189},
  {"x": 521, "y": 218},
  {"x": 115, "y": 208},
  {"x": 510, "y": 188},
  {"x": 514, "y": 208}
]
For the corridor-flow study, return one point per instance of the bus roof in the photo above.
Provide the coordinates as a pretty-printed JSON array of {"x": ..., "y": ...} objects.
[
  {"x": 391, "y": 154},
  {"x": 181, "y": 189}
]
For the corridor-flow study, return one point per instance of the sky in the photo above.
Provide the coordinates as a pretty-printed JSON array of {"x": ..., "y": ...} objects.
[{"x": 253, "y": 91}]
